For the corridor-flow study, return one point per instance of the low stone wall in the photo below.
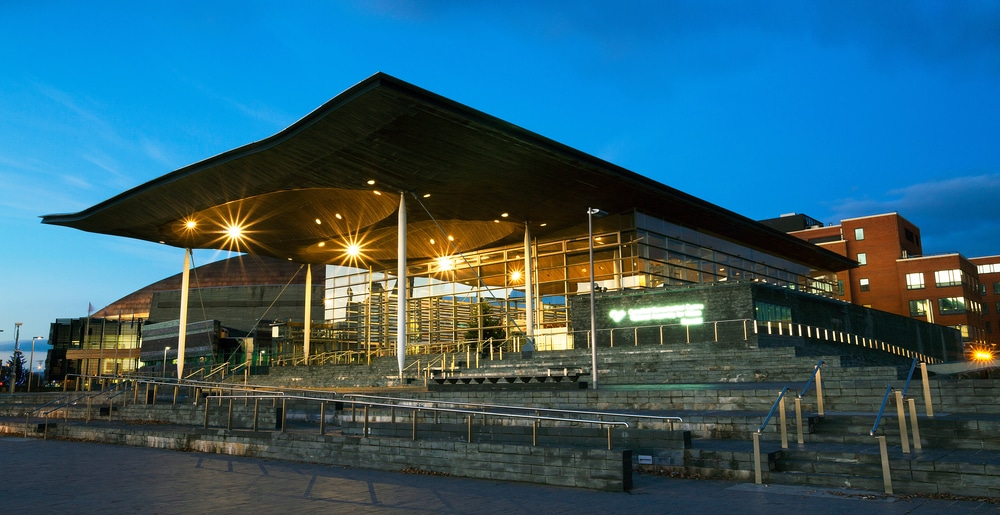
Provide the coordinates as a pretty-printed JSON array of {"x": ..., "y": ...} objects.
[{"x": 599, "y": 469}]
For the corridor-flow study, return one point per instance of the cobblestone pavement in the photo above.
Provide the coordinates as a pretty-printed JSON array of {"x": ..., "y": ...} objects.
[{"x": 79, "y": 477}]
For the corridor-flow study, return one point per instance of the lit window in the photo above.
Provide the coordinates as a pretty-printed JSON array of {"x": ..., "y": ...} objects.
[
  {"x": 918, "y": 308},
  {"x": 915, "y": 281},
  {"x": 951, "y": 305},
  {"x": 859, "y": 233},
  {"x": 944, "y": 278},
  {"x": 862, "y": 258},
  {"x": 864, "y": 284}
]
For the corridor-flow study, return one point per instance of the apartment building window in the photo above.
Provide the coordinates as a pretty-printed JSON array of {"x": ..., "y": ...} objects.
[
  {"x": 915, "y": 281},
  {"x": 859, "y": 233},
  {"x": 918, "y": 308},
  {"x": 996, "y": 288},
  {"x": 986, "y": 309},
  {"x": 944, "y": 278},
  {"x": 996, "y": 308},
  {"x": 989, "y": 328},
  {"x": 862, "y": 258},
  {"x": 951, "y": 305},
  {"x": 864, "y": 284}
]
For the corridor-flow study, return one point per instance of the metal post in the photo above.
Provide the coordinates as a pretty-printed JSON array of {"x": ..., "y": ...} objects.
[
  {"x": 322, "y": 418},
  {"x": 534, "y": 433},
  {"x": 364, "y": 428},
  {"x": 175, "y": 394},
  {"x": 928, "y": 405},
  {"x": 904, "y": 436},
  {"x": 798, "y": 419},
  {"x": 284, "y": 413},
  {"x": 256, "y": 412},
  {"x": 756, "y": 458},
  {"x": 886, "y": 475},
  {"x": 593, "y": 321},
  {"x": 206, "y": 413},
  {"x": 913, "y": 423},
  {"x": 468, "y": 423},
  {"x": 413, "y": 425},
  {"x": 781, "y": 417},
  {"x": 819, "y": 390},
  {"x": 229, "y": 422}
]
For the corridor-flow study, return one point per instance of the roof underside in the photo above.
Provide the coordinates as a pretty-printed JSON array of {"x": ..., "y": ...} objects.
[{"x": 305, "y": 193}]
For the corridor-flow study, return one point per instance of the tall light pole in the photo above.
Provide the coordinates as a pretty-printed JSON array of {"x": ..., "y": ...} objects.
[
  {"x": 591, "y": 213},
  {"x": 14, "y": 361},
  {"x": 165, "y": 349},
  {"x": 31, "y": 371}
]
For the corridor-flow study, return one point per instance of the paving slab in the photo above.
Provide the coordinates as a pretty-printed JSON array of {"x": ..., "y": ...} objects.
[{"x": 83, "y": 477}]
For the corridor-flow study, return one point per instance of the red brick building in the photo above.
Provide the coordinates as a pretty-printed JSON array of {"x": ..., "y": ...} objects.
[
  {"x": 989, "y": 278},
  {"x": 894, "y": 275}
]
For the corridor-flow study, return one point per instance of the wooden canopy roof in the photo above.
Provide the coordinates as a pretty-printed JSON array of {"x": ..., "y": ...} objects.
[{"x": 335, "y": 176}]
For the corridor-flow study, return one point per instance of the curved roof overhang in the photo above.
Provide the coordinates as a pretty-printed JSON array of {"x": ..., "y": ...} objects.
[{"x": 335, "y": 177}]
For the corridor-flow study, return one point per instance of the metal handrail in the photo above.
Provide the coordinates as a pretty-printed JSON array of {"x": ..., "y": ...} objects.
[
  {"x": 425, "y": 408},
  {"x": 881, "y": 410},
  {"x": 909, "y": 376},
  {"x": 805, "y": 389},
  {"x": 774, "y": 407},
  {"x": 502, "y": 406}
]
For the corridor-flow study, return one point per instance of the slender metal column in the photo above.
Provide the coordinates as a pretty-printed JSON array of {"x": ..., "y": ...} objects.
[
  {"x": 401, "y": 287},
  {"x": 529, "y": 292},
  {"x": 307, "y": 318},
  {"x": 182, "y": 323}
]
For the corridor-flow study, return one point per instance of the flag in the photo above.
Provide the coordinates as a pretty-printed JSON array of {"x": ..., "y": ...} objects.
[{"x": 90, "y": 308}]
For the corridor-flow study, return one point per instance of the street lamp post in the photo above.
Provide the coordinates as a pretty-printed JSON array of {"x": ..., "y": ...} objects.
[
  {"x": 14, "y": 361},
  {"x": 591, "y": 213},
  {"x": 165, "y": 349},
  {"x": 31, "y": 371}
]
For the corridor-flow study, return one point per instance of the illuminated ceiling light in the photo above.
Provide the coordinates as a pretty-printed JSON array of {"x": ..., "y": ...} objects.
[
  {"x": 234, "y": 232},
  {"x": 318, "y": 221},
  {"x": 190, "y": 224},
  {"x": 451, "y": 238},
  {"x": 504, "y": 215},
  {"x": 161, "y": 241},
  {"x": 371, "y": 182},
  {"x": 496, "y": 221},
  {"x": 542, "y": 225},
  {"x": 289, "y": 260},
  {"x": 432, "y": 241},
  {"x": 338, "y": 217},
  {"x": 321, "y": 244},
  {"x": 377, "y": 192},
  {"x": 445, "y": 264},
  {"x": 427, "y": 195},
  {"x": 353, "y": 250},
  {"x": 515, "y": 275}
]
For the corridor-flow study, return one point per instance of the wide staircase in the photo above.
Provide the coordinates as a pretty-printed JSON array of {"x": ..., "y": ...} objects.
[{"x": 692, "y": 410}]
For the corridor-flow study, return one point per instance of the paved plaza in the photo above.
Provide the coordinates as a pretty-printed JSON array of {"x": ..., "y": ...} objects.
[{"x": 81, "y": 477}]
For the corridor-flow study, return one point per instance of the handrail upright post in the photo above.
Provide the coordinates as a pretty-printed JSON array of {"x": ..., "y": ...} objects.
[
  {"x": 781, "y": 417},
  {"x": 913, "y": 423},
  {"x": 284, "y": 413},
  {"x": 798, "y": 419},
  {"x": 928, "y": 405},
  {"x": 756, "y": 458},
  {"x": 886, "y": 475},
  {"x": 322, "y": 418},
  {"x": 256, "y": 411},
  {"x": 904, "y": 436},
  {"x": 819, "y": 390},
  {"x": 229, "y": 421}
]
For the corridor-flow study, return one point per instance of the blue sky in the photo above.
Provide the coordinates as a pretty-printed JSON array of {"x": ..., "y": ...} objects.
[{"x": 835, "y": 109}]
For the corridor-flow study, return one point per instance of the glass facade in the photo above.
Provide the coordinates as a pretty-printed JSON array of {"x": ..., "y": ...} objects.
[{"x": 479, "y": 297}]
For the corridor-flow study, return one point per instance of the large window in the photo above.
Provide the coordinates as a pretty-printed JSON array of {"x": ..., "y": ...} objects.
[
  {"x": 767, "y": 312},
  {"x": 944, "y": 278},
  {"x": 918, "y": 308},
  {"x": 915, "y": 281},
  {"x": 862, "y": 258},
  {"x": 951, "y": 305},
  {"x": 859, "y": 233}
]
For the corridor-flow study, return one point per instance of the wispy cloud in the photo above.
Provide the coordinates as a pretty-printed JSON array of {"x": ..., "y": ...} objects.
[{"x": 954, "y": 214}]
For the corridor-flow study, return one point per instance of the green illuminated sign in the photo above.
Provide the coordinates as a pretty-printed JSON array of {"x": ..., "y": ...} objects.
[{"x": 687, "y": 314}]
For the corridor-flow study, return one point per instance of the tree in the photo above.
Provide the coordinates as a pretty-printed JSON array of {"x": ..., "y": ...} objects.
[
  {"x": 15, "y": 367},
  {"x": 485, "y": 327}
]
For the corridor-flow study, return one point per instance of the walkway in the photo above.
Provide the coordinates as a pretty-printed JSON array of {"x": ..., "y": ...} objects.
[{"x": 79, "y": 477}]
